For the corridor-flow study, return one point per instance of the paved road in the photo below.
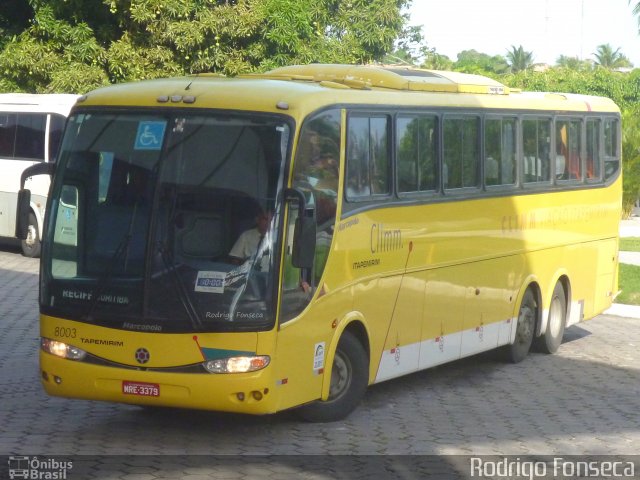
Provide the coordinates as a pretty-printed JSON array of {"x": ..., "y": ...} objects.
[{"x": 583, "y": 400}]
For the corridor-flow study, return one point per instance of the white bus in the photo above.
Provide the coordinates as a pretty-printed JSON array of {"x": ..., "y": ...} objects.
[{"x": 31, "y": 127}]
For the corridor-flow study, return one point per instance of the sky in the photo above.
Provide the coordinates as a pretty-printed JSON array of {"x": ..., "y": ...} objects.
[{"x": 548, "y": 28}]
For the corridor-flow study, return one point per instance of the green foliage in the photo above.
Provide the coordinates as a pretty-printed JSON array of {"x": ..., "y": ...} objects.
[
  {"x": 52, "y": 56},
  {"x": 471, "y": 61},
  {"x": 14, "y": 18},
  {"x": 609, "y": 58},
  {"x": 573, "y": 63},
  {"x": 436, "y": 61},
  {"x": 630, "y": 244},
  {"x": 519, "y": 59},
  {"x": 624, "y": 89},
  {"x": 76, "y": 45},
  {"x": 629, "y": 283},
  {"x": 630, "y": 157}
]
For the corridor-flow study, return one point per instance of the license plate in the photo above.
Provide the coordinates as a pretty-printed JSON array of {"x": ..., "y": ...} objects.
[{"x": 140, "y": 388}]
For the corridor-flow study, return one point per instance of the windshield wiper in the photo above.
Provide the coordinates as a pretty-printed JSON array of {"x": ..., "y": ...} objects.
[
  {"x": 104, "y": 279},
  {"x": 122, "y": 248},
  {"x": 183, "y": 294}
]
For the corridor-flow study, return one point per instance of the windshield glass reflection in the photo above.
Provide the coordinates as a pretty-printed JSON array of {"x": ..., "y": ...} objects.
[{"x": 167, "y": 223}]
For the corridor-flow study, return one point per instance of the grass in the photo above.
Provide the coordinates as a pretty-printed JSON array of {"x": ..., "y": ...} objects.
[
  {"x": 629, "y": 278},
  {"x": 629, "y": 283},
  {"x": 630, "y": 244}
]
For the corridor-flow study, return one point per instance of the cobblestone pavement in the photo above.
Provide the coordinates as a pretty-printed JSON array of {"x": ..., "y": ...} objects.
[{"x": 583, "y": 400}]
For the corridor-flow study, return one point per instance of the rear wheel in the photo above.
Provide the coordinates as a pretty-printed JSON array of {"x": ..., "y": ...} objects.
[
  {"x": 527, "y": 314},
  {"x": 550, "y": 341},
  {"x": 349, "y": 380},
  {"x": 31, "y": 244}
]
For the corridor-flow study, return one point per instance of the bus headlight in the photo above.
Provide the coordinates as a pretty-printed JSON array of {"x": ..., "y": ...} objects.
[
  {"x": 237, "y": 364},
  {"x": 62, "y": 350}
]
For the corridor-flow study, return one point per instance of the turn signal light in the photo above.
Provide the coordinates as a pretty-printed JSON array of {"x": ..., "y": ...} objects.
[{"x": 237, "y": 364}]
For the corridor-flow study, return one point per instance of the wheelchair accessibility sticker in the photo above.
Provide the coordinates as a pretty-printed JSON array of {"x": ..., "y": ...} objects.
[{"x": 150, "y": 135}]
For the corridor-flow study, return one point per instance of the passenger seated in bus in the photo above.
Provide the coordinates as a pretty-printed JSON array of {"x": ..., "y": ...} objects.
[
  {"x": 532, "y": 168},
  {"x": 358, "y": 187},
  {"x": 249, "y": 241},
  {"x": 560, "y": 167},
  {"x": 491, "y": 171},
  {"x": 591, "y": 168}
]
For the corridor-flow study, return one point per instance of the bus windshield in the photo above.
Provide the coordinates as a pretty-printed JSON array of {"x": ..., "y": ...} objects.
[{"x": 165, "y": 222}]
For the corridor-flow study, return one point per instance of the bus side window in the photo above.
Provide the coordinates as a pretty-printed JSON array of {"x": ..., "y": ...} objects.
[
  {"x": 7, "y": 134},
  {"x": 568, "y": 149},
  {"x": 417, "y": 153},
  {"x": 368, "y": 161},
  {"x": 611, "y": 149},
  {"x": 30, "y": 136},
  {"x": 500, "y": 151},
  {"x": 56, "y": 127},
  {"x": 593, "y": 168},
  {"x": 536, "y": 145},
  {"x": 461, "y": 147}
]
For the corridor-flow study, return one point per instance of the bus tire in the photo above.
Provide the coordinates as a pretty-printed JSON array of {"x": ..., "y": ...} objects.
[
  {"x": 349, "y": 380},
  {"x": 550, "y": 341},
  {"x": 525, "y": 328},
  {"x": 31, "y": 245}
]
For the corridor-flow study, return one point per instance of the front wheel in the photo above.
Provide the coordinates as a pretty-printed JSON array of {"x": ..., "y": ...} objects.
[
  {"x": 349, "y": 380},
  {"x": 31, "y": 244},
  {"x": 525, "y": 328}
]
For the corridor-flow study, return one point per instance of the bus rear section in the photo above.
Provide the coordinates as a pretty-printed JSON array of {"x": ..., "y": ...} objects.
[{"x": 31, "y": 129}]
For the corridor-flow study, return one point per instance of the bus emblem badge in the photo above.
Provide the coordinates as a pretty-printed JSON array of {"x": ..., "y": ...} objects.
[{"x": 142, "y": 355}]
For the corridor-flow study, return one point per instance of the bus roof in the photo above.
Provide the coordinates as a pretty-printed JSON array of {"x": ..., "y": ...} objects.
[
  {"x": 300, "y": 89},
  {"x": 35, "y": 102},
  {"x": 393, "y": 77}
]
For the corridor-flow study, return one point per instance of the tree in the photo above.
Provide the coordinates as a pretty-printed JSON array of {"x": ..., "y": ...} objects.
[
  {"x": 630, "y": 158},
  {"x": 606, "y": 57},
  {"x": 636, "y": 11},
  {"x": 471, "y": 61},
  {"x": 14, "y": 17},
  {"x": 436, "y": 61},
  {"x": 573, "y": 63},
  {"x": 76, "y": 45},
  {"x": 519, "y": 59},
  {"x": 621, "y": 88},
  {"x": 409, "y": 47}
]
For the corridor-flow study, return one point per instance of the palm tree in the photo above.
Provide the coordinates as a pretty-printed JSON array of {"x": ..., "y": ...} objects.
[
  {"x": 573, "y": 63},
  {"x": 519, "y": 59},
  {"x": 636, "y": 11},
  {"x": 606, "y": 57}
]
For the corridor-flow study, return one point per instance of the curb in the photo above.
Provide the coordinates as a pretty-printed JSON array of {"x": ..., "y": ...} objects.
[
  {"x": 621, "y": 310},
  {"x": 629, "y": 258}
]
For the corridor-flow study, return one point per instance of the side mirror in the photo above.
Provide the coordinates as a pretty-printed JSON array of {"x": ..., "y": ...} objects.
[
  {"x": 22, "y": 213},
  {"x": 304, "y": 242},
  {"x": 42, "y": 168},
  {"x": 23, "y": 207},
  {"x": 304, "y": 234}
]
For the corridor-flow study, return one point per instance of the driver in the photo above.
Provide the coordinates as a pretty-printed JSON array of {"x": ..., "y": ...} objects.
[{"x": 248, "y": 242}]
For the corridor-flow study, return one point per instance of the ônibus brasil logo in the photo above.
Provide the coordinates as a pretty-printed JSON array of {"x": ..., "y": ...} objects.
[{"x": 38, "y": 468}]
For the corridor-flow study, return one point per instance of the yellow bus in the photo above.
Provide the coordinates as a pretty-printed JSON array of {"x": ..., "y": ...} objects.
[{"x": 281, "y": 240}]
